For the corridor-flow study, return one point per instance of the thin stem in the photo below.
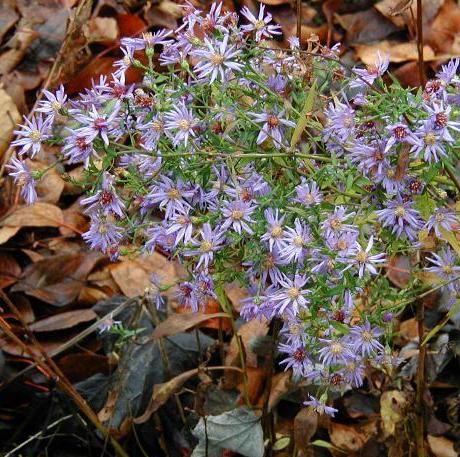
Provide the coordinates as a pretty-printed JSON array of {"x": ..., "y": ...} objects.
[
  {"x": 421, "y": 67},
  {"x": 420, "y": 383},
  {"x": 299, "y": 20}
]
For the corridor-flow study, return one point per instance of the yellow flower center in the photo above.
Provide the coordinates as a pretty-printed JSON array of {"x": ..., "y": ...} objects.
[
  {"x": 336, "y": 348},
  {"x": 217, "y": 59},
  {"x": 439, "y": 217},
  {"x": 237, "y": 214},
  {"x": 298, "y": 241},
  {"x": 430, "y": 138},
  {"x": 309, "y": 198},
  {"x": 367, "y": 336},
  {"x": 362, "y": 256},
  {"x": 260, "y": 24},
  {"x": 336, "y": 224},
  {"x": 400, "y": 211},
  {"x": 277, "y": 231},
  {"x": 56, "y": 105},
  {"x": 447, "y": 269},
  {"x": 206, "y": 246},
  {"x": 184, "y": 124},
  {"x": 293, "y": 293},
  {"x": 35, "y": 136},
  {"x": 173, "y": 194}
]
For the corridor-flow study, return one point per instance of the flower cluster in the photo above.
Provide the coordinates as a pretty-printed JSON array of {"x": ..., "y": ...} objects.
[{"x": 225, "y": 158}]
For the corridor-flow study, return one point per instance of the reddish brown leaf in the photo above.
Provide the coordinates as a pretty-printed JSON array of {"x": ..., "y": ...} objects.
[
  {"x": 352, "y": 438},
  {"x": 305, "y": 426},
  {"x": 101, "y": 30},
  {"x": 445, "y": 28},
  {"x": 130, "y": 25},
  {"x": 24, "y": 307},
  {"x": 73, "y": 220},
  {"x": 63, "y": 321},
  {"x": 38, "y": 215},
  {"x": 78, "y": 367},
  {"x": 10, "y": 271},
  {"x": 399, "y": 270},
  {"x": 176, "y": 323}
]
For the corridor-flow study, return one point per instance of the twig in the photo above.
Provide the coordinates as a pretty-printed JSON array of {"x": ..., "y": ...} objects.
[
  {"x": 420, "y": 383},
  {"x": 37, "y": 435},
  {"x": 421, "y": 65},
  {"x": 299, "y": 21}
]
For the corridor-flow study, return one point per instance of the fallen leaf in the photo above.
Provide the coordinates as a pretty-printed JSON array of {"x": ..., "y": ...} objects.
[
  {"x": 24, "y": 307},
  {"x": 352, "y": 437},
  {"x": 63, "y": 321},
  {"x": 38, "y": 215},
  {"x": 366, "y": 26},
  {"x": 78, "y": 367},
  {"x": 9, "y": 117},
  {"x": 176, "y": 323},
  {"x": 393, "y": 405},
  {"x": 408, "y": 330},
  {"x": 305, "y": 426},
  {"x": 130, "y": 25},
  {"x": 73, "y": 220},
  {"x": 8, "y": 17},
  {"x": 50, "y": 186},
  {"x": 399, "y": 270},
  {"x": 10, "y": 271},
  {"x": 101, "y": 30},
  {"x": 444, "y": 29},
  {"x": 235, "y": 293},
  {"x": 397, "y": 52},
  {"x": 162, "y": 393},
  {"x": 8, "y": 232},
  {"x": 441, "y": 446},
  {"x": 281, "y": 385}
]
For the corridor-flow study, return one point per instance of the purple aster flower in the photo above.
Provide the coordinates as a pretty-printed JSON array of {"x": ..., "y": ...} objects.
[
  {"x": 400, "y": 133},
  {"x": 204, "y": 286},
  {"x": 340, "y": 121},
  {"x": 293, "y": 331},
  {"x": 344, "y": 243},
  {"x": 274, "y": 234},
  {"x": 151, "y": 132},
  {"x": 102, "y": 234},
  {"x": 186, "y": 296},
  {"x": 170, "y": 195},
  {"x": 260, "y": 25},
  {"x": 181, "y": 121},
  {"x": 182, "y": 227},
  {"x": 32, "y": 135},
  {"x": 123, "y": 64},
  {"x": 272, "y": 127},
  {"x": 216, "y": 59},
  {"x": 370, "y": 158},
  {"x": 368, "y": 75},
  {"x": 297, "y": 358},
  {"x": 154, "y": 293},
  {"x": 266, "y": 268},
  {"x": 105, "y": 325},
  {"x": 117, "y": 89},
  {"x": 211, "y": 241},
  {"x": 440, "y": 117},
  {"x": 444, "y": 265},
  {"x": 353, "y": 373},
  {"x": 295, "y": 243},
  {"x": 291, "y": 297},
  {"x": 431, "y": 142},
  {"x": 334, "y": 224},
  {"x": 78, "y": 148},
  {"x": 105, "y": 199},
  {"x": 53, "y": 103},
  {"x": 442, "y": 218},
  {"x": 157, "y": 236},
  {"x": 449, "y": 71},
  {"x": 23, "y": 178},
  {"x": 401, "y": 218},
  {"x": 96, "y": 124},
  {"x": 308, "y": 193},
  {"x": 364, "y": 339},
  {"x": 277, "y": 83},
  {"x": 237, "y": 215},
  {"x": 148, "y": 40},
  {"x": 392, "y": 181},
  {"x": 252, "y": 307},
  {"x": 335, "y": 351},
  {"x": 363, "y": 260},
  {"x": 319, "y": 406}
]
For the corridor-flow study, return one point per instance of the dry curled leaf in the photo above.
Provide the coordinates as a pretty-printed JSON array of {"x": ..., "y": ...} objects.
[
  {"x": 305, "y": 426},
  {"x": 397, "y": 52},
  {"x": 441, "y": 446},
  {"x": 393, "y": 406},
  {"x": 352, "y": 438},
  {"x": 38, "y": 215},
  {"x": 63, "y": 321},
  {"x": 9, "y": 117}
]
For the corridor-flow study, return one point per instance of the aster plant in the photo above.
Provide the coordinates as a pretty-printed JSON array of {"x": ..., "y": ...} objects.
[{"x": 251, "y": 163}]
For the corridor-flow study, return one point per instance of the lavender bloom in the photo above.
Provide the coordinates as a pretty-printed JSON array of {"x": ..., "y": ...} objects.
[
  {"x": 431, "y": 142},
  {"x": 53, "y": 103},
  {"x": 440, "y": 118},
  {"x": 364, "y": 339},
  {"x": 272, "y": 127},
  {"x": 238, "y": 215},
  {"x": 340, "y": 121},
  {"x": 363, "y": 260},
  {"x": 186, "y": 296},
  {"x": 449, "y": 71},
  {"x": 32, "y": 135},
  {"x": 123, "y": 64},
  {"x": 266, "y": 268},
  {"x": 442, "y": 218},
  {"x": 291, "y": 297},
  {"x": 275, "y": 232},
  {"x": 78, "y": 148},
  {"x": 344, "y": 244},
  {"x": 390, "y": 179},
  {"x": 295, "y": 243},
  {"x": 152, "y": 132},
  {"x": 334, "y": 224},
  {"x": 260, "y": 24},
  {"x": 96, "y": 124},
  {"x": 102, "y": 234},
  {"x": 297, "y": 358},
  {"x": 105, "y": 325},
  {"x": 370, "y": 158},
  {"x": 168, "y": 195},
  {"x": 320, "y": 407},
  {"x": 308, "y": 194},
  {"x": 353, "y": 373},
  {"x": 401, "y": 218},
  {"x": 444, "y": 265},
  {"x": 277, "y": 83},
  {"x": 23, "y": 178},
  {"x": 181, "y": 120},
  {"x": 367, "y": 76},
  {"x": 148, "y": 40},
  {"x": 157, "y": 236},
  {"x": 400, "y": 133},
  {"x": 211, "y": 241},
  {"x": 335, "y": 351},
  {"x": 216, "y": 59},
  {"x": 105, "y": 199},
  {"x": 182, "y": 227}
]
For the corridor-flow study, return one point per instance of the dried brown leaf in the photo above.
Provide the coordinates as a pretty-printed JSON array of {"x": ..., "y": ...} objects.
[
  {"x": 38, "y": 215},
  {"x": 393, "y": 405},
  {"x": 397, "y": 52},
  {"x": 176, "y": 323},
  {"x": 281, "y": 385},
  {"x": 63, "y": 321},
  {"x": 441, "y": 446},
  {"x": 10, "y": 271},
  {"x": 8, "y": 232},
  {"x": 78, "y": 367},
  {"x": 352, "y": 438},
  {"x": 399, "y": 270},
  {"x": 445, "y": 28},
  {"x": 9, "y": 117},
  {"x": 305, "y": 426},
  {"x": 101, "y": 30}
]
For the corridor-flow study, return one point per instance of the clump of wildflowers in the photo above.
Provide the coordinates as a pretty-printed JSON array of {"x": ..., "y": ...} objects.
[{"x": 204, "y": 161}]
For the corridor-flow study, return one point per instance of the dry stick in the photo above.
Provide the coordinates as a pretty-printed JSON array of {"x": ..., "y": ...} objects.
[
  {"x": 299, "y": 21},
  {"x": 58, "y": 376},
  {"x": 420, "y": 383},
  {"x": 421, "y": 68}
]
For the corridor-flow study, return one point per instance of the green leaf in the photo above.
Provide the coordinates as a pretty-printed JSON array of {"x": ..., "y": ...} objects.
[
  {"x": 304, "y": 115},
  {"x": 238, "y": 430},
  {"x": 327, "y": 445},
  {"x": 425, "y": 205}
]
